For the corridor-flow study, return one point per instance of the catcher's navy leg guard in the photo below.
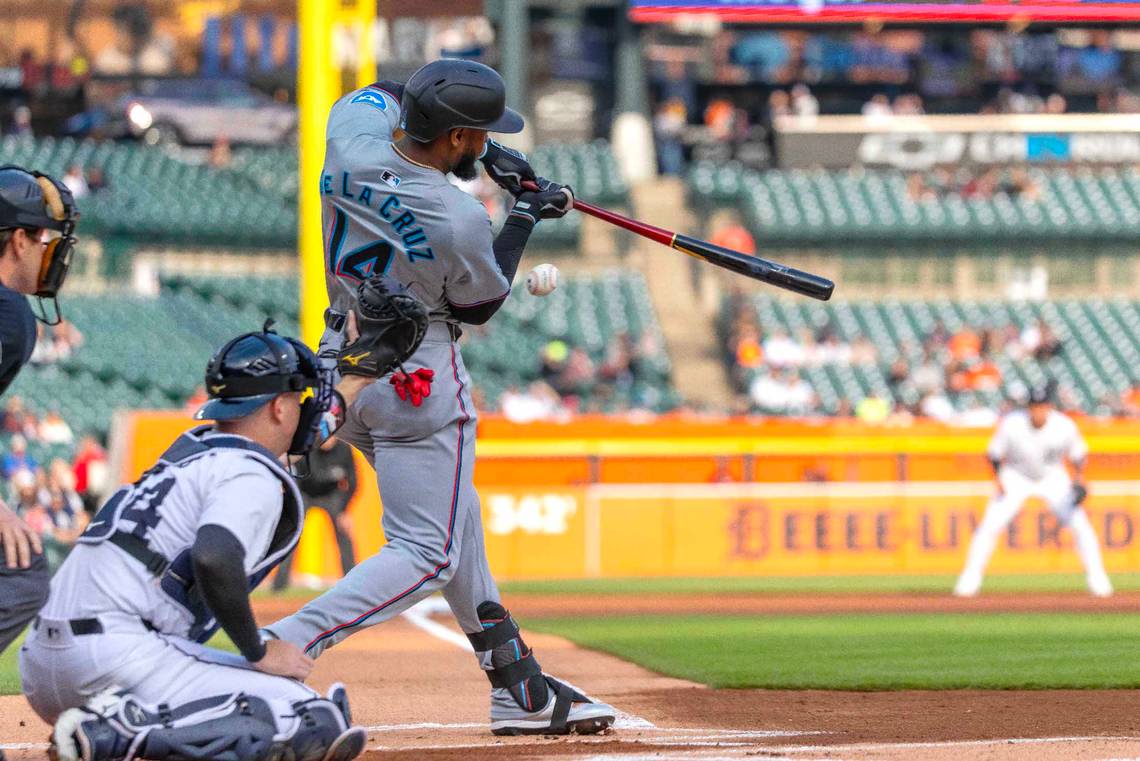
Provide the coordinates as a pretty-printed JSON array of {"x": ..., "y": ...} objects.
[
  {"x": 113, "y": 727},
  {"x": 223, "y": 728}
]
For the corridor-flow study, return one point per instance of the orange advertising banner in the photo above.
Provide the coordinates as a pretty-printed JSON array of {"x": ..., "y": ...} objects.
[{"x": 620, "y": 511}]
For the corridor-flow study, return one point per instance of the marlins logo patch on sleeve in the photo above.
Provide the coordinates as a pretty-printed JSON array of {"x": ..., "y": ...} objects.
[{"x": 373, "y": 99}]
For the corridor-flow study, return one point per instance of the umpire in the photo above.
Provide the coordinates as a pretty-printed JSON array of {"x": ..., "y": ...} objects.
[
  {"x": 329, "y": 486},
  {"x": 37, "y": 222}
]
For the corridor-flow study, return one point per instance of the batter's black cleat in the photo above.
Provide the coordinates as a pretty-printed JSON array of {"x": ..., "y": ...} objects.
[{"x": 566, "y": 712}]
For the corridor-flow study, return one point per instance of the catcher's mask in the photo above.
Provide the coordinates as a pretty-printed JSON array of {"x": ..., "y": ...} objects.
[
  {"x": 34, "y": 201},
  {"x": 254, "y": 368}
]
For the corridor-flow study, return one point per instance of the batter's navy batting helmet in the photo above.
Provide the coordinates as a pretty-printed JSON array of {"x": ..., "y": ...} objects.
[
  {"x": 254, "y": 368},
  {"x": 451, "y": 93},
  {"x": 34, "y": 201}
]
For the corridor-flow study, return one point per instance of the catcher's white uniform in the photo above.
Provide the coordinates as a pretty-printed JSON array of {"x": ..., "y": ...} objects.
[{"x": 1033, "y": 465}]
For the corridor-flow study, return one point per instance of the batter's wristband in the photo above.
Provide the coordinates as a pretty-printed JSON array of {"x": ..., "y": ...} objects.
[{"x": 499, "y": 634}]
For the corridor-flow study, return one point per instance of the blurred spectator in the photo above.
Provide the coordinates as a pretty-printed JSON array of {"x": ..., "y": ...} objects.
[
  {"x": 54, "y": 429},
  {"x": 74, "y": 180},
  {"x": 749, "y": 352},
  {"x": 668, "y": 128},
  {"x": 804, "y": 104},
  {"x": 863, "y": 352},
  {"x": 617, "y": 367},
  {"x": 872, "y": 409},
  {"x": 19, "y": 419},
  {"x": 220, "y": 154},
  {"x": 719, "y": 116},
  {"x": 734, "y": 235},
  {"x": 96, "y": 179},
  {"x": 537, "y": 402},
  {"x": 1040, "y": 341},
  {"x": 781, "y": 350},
  {"x": 21, "y": 122},
  {"x": 17, "y": 459},
  {"x": 577, "y": 376},
  {"x": 782, "y": 392},
  {"x": 981, "y": 374},
  {"x": 29, "y": 503},
  {"x": 91, "y": 471},
  {"x": 878, "y": 107},
  {"x": 779, "y": 104},
  {"x": 964, "y": 344},
  {"x": 930, "y": 375}
]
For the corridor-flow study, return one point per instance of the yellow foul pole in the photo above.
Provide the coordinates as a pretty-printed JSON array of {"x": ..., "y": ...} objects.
[
  {"x": 319, "y": 84},
  {"x": 315, "y": 93}
]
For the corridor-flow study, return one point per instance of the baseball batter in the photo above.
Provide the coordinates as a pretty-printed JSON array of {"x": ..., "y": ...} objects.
[
  {"x": 1028, "y": 453},
  {"x": 388, "y": 207},
  {"x": 115, "y": 659}
]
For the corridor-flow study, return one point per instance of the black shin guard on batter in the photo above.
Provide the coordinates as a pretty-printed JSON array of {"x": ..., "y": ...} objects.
[{"x": 511, "y": 664}]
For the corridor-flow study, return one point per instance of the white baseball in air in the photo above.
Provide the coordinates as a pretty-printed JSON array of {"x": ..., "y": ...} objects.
[{"x": 542, "y": 279}]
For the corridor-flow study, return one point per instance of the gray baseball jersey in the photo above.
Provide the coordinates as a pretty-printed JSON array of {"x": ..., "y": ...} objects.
[{"x": 385, "y": 213}]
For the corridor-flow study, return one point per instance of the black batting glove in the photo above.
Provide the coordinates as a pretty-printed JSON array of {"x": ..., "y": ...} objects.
[
  {"x": 550, "y": 201},
  {"x": 507, "y": 167}
]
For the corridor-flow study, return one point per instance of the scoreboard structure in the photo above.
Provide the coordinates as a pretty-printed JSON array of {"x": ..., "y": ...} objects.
[{"x": 890, "y": 11}]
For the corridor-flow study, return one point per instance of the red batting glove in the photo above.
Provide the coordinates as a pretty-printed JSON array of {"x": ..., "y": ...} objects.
[{"x": 414, "y": 386}]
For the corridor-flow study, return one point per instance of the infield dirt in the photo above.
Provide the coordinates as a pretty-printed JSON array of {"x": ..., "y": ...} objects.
[{"x": 423, "y": 698}]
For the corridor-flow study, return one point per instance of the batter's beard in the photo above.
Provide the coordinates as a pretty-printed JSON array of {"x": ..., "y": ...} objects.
[{"x": 466, "y": 169}]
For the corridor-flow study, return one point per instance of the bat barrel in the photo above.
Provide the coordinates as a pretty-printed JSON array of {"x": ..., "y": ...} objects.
[{"x": 773, "y": 273}]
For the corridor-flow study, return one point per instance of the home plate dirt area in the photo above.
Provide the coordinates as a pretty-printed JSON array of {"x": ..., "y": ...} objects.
[{"x": 415, "y": 685}]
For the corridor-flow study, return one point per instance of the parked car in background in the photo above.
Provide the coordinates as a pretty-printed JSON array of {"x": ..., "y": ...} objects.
[{"x": 199, "y": 111}]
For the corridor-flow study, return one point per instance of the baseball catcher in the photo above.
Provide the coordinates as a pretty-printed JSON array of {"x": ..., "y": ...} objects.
[{"x": 116, "y": 658}]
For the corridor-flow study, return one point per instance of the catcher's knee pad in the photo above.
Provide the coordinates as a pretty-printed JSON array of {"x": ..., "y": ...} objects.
[{"x": 506, "y": 659}]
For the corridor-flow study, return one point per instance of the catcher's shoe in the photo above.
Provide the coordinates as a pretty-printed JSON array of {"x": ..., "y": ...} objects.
[
  {"x": 81, "y": 734},
  {"x": 567, "y": 711}
]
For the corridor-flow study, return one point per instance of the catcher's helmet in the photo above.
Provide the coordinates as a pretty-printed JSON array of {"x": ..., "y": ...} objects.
[
  {"x": 254, "y": 368},
  {"x": 451, "y": 93},
  {"x": 34, "y": 201}
]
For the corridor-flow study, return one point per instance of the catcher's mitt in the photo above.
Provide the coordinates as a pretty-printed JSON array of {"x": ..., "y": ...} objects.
[
  {"x": 1080, "y": 491},
  {"x": 392, "y": 324}
]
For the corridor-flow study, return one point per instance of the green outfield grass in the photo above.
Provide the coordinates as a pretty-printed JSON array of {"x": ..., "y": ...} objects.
[
  {"x": 872, "y": 652},
  {"x": 1013, "y": 583}
]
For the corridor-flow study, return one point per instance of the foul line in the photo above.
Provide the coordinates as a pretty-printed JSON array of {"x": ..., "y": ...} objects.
[
  {"x": 419, "y": 616},
  {"x": 947, "y": 744}
]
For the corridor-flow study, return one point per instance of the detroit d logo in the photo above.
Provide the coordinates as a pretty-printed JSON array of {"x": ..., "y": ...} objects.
[{"x": 748, "y": 532}]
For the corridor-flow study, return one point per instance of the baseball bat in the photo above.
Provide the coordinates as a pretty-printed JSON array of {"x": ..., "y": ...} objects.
[{"x": 773, "y": 273}]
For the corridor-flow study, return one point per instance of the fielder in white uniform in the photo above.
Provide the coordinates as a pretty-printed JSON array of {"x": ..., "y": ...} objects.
[
  {"x": 1028, "y": 452},
  {"x": 115, "y": 659}
]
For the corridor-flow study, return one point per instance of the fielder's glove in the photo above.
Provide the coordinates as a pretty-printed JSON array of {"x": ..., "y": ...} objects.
[
  {"x": 550, "y": 201},
  {"x": 507, "y": 167},
  {"x": 392, "y": 324},
  {"x": 1079, "y": 493}
]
